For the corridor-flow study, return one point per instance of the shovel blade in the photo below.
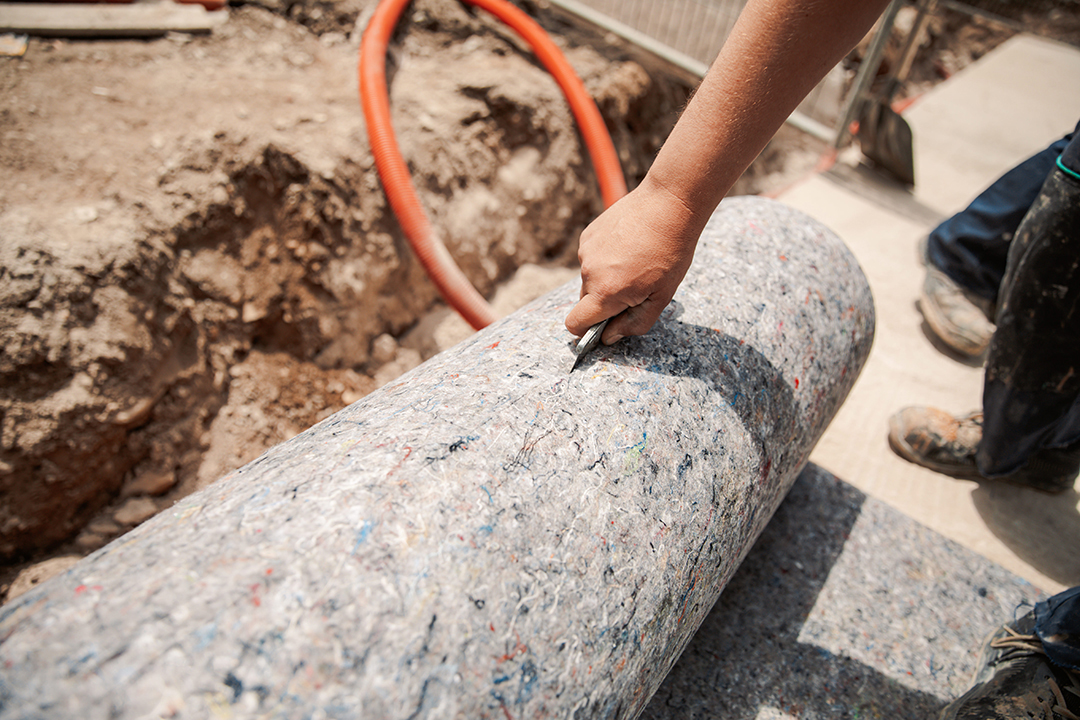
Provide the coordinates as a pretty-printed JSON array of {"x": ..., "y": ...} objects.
[{"x": 885, "y": 138}]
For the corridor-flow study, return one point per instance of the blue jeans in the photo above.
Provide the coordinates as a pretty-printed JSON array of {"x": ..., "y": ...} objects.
[
  {"x": 972, "y": 246},
  {"x": 1057, "y": 623}
]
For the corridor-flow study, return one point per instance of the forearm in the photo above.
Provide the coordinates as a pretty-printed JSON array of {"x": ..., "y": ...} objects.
[
  {"x": 776, "y": 53},
  {"x": 635, "y": 255}
]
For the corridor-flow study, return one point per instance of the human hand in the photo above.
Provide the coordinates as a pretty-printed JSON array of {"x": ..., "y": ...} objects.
[{"x": 633, "y": 258}]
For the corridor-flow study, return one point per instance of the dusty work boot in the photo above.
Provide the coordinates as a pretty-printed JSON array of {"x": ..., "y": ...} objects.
[
  {"x": 1015, "y": 679},
  {"x": 958, "y": 317},
  {"x": 946, "y": 444},
  {"x": 936, "y": 440}
]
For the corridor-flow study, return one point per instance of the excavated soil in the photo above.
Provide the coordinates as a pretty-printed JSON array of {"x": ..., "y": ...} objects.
[{"x": 197, "y": 260}]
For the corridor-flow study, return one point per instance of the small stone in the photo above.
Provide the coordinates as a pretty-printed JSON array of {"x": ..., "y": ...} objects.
[
  {"x": 252, "y": 312},
  {"x": 135, "y": 511},
  {"x": 300, "y": 59},
  {"x": 103, "y": 527},
  {"x": 88, "y": 541},
  {"x": 85, "y": 214},
  {"x": 383, "y": 349},
  {"x": 154, "y": 482}
]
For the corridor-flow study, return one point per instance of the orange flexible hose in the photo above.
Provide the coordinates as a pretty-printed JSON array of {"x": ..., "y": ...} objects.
[{"x": 452, "y": 284}]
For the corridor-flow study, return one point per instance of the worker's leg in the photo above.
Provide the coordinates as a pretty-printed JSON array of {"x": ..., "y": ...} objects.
[
  {"x": 1031, "y": 392},
  {"x": 966, "y": 254},
  {"x": 1028, "y": 431}
]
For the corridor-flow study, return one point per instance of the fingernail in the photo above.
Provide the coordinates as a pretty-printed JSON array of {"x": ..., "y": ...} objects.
[{"x": 615, "y": 339}]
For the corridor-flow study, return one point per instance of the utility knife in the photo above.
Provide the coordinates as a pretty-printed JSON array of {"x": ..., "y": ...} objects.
[{"x": 588, "y": 342}]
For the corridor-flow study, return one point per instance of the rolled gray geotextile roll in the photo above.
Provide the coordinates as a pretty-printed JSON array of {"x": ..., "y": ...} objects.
[{"x": 488, "y": 536}]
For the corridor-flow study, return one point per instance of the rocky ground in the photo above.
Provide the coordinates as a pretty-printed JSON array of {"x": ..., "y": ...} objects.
[{"x": 197, "y": 260}]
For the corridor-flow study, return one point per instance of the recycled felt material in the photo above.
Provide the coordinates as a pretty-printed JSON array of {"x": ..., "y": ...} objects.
[{"x": 486, "y": 537}]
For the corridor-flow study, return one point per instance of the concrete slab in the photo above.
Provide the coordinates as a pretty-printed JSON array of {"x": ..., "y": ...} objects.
[
  {"x": 967, "y": 131},
  {"x": 1009, "y": 105}
]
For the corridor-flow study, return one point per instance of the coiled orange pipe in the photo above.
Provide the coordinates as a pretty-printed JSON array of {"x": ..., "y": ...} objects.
[{"x": 452, "y": 284}]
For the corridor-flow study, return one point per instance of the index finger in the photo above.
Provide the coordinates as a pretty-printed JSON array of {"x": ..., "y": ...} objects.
[{"x": 589, "y": 310}]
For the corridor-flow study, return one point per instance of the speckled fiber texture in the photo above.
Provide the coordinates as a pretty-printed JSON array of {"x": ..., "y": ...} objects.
[
  {"x": 844, "y": 609},
  {"x": 488, "y": 536}
]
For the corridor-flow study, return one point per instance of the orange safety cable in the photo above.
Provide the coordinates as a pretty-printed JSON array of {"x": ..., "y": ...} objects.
[{"x": 452, "y": 284}]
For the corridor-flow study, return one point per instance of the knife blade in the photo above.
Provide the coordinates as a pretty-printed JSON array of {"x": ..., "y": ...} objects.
[{"x": 588, "y": 342}]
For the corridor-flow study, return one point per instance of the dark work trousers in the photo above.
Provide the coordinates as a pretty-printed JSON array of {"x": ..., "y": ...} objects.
[{"x": 1031, "y": 414}]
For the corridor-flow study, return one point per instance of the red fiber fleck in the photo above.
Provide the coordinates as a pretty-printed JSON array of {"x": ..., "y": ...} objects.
[
  {"x": 796, "y": 383},
  {"x": 765, "y": 471},
  {"x": 492, "y": 626},
  {"x": 80, "y": 590},
  {"x": 493, "y": 345},
  {"x": 519, "y": 649},
  {"x": 270, "y": 571},
  {"x": 783, "y": 257}
]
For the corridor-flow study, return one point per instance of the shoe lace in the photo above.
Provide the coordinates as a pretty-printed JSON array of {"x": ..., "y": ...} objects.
[{"x": 1015, "y": 643}]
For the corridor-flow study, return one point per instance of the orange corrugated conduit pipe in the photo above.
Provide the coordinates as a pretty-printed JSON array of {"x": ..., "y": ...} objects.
[{"x": 452, "y": 284}]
